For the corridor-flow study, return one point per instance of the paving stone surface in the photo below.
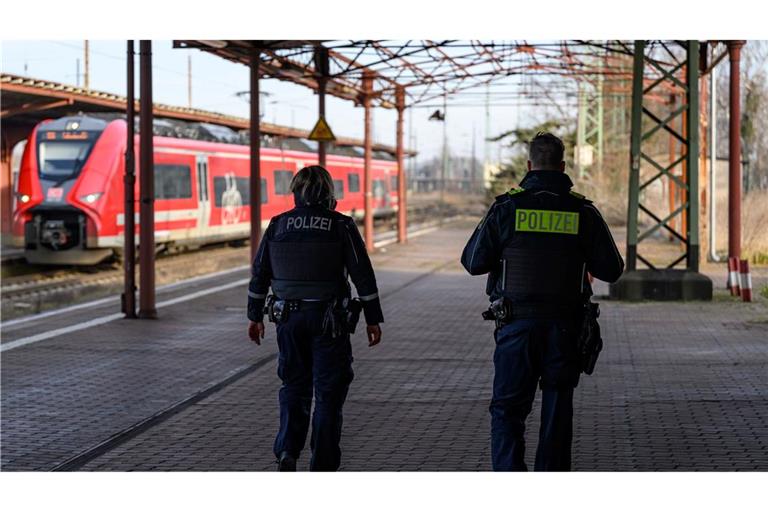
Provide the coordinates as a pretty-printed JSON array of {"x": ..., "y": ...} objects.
[{"x": 679, "y": 386}]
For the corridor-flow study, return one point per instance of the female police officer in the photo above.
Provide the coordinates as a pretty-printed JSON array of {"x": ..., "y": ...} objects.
[{"x": 305, "y": 256}]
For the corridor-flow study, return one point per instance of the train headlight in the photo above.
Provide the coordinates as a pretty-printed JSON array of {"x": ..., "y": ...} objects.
[
  {"x": 91, "y": 198},
  {"x": 24, "y": 198}
]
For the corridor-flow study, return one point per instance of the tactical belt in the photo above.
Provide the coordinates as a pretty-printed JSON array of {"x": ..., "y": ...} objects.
[{"x": 543, "y": 310}]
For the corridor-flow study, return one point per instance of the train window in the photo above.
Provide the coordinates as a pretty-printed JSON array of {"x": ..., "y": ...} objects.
[
  {"x": 283, "y": 182},
  {"x": 338, "y": 189},
  {"x": 393, "y": 183},
  {"x": 173, "y": 181},
  {"x": 353, "y": 182},
  {"x": 264, "y": 191},
  {"x": 379, "y": 188},
  {"x": 230, "y": 190},
  {"x": 62, "y": 160}
]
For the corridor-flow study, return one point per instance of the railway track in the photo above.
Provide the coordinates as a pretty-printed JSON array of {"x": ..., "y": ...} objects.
[{"x": 41, "y": 291}]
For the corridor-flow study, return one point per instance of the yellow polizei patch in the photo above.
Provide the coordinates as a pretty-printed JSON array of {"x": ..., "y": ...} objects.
[{"x": 547, "y": 221}]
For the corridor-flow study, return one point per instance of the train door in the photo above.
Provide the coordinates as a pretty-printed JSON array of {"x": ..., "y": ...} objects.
[{"x": 203, "y": 197}]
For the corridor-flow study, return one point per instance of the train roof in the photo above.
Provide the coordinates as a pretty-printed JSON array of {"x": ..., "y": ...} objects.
[{"x": 208, "y": 132}]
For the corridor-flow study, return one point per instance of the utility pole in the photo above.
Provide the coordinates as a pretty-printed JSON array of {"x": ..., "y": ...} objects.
[
  {"x": 189, "y": 81},
  {"x": 445, "y": 149},
  {"x": 487, "y": 150},
  {"x": 474, "y": 154},
  {"x": 87, "y": 70},
  {"x": 77, "y": 72}
]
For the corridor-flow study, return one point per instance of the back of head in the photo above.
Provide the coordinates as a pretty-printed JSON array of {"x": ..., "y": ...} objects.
[
  {"x": 546, "y": 152},
  {"x": 313, "y": 186}
]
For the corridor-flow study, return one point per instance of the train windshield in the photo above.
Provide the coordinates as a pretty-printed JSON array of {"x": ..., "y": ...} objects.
[{"x": 61, "y": 160}]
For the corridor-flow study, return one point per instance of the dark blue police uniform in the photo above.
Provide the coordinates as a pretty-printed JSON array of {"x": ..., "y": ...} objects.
[
  {"x": 537, "y": 243},
  {"x": 306, "y": 256}
]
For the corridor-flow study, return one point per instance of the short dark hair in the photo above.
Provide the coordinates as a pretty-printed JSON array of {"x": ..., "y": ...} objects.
[
  {"x": 313, "y": 185},
  {"x": 546, "y": 151}
]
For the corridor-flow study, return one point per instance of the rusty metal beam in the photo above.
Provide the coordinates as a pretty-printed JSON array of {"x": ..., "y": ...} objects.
[
  {"x": 402, "y": 205},
  {"x": 147, "y": 307},
  {"x": 255, "y": 153},
  {"x": 129, "y": 184},
  {"x": 35, "y": 107},
  {"x": 734, "y": 151},
  {"x": 368, "y": 159}
]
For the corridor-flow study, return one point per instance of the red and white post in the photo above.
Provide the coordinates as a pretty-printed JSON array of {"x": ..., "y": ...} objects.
[
  {"x": 733, "y": 276},
  {"x": 746, "y": 281}
]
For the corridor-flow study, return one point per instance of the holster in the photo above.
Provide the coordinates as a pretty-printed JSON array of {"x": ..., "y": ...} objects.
[
  {"x": 276, "y": 309},
  {"x": 590, "y": 343},
  {"x": 342, "y": 316},
  {"x": 500, "y": 311}
]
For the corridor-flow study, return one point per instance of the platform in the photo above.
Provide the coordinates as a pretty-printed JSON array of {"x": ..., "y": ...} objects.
[{"x": 680, "y": 386}]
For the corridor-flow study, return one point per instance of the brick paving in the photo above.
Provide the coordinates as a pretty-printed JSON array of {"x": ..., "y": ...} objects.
[{"x": 678, "y": 387}]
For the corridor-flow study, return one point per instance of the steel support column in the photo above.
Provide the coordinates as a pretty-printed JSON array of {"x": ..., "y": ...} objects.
[
  {"x": 129, "y": 182},
  {"x": 734, "y": 151},
  {"x": 321, "y": 65},
  {"x": 692, "y": 158},
  {"x": 255, "y": 147},
  {"x": 402, "y": 205},
  {"x": 679, "y": 70},
  {"x": 368, "y": 160},
  {"x": 147, "y": 188},
  {"x": 634, "y": 154}
]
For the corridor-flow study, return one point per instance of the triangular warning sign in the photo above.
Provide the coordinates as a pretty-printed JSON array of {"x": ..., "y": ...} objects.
[{"x": 322, "y": 132}]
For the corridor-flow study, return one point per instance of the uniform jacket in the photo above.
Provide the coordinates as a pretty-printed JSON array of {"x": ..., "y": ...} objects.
[
  {"x": 308, "y": 253},
  {"x": 592, "y": 247}
]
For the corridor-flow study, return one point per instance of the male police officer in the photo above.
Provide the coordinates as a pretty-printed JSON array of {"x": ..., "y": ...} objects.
[
  {"x": 537, "y": 243},
  {"x": 305, "y": 256}
]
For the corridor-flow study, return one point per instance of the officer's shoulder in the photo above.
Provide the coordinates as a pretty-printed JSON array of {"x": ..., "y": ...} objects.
[
  {"x": 508, "y": 195},
  {"x": 580, "y": 197},
  {"x": 341, "y": 218}
]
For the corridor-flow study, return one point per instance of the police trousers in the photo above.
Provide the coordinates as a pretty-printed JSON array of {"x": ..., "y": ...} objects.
[
  {"x": 530, "y": 352},
  {"x": 312, "y": 360}
]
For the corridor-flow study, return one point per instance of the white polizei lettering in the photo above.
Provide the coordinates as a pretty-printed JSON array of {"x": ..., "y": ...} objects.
[
  {"x": 321, "y": 223},
  {"x": 290, "y": 222}
]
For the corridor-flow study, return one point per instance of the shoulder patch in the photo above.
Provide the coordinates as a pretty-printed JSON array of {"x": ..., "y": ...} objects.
[{"x": 514, "y": 191}]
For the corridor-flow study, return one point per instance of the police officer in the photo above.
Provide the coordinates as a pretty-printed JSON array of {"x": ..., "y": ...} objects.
[
  {"x": 305, "y": 256},
  {"x": 537, "y": 243}
]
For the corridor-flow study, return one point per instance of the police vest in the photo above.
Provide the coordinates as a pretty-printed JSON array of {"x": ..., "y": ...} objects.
[
  {"x": 306, "y": 256},
  {"x": 543, "y": 261}
]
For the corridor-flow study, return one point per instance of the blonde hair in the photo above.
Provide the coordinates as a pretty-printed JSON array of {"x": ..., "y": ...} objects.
[{"x": 313, "y": 184}]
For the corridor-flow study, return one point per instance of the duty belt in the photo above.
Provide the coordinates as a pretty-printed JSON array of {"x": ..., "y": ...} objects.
[{"x": 502, "y": 311}]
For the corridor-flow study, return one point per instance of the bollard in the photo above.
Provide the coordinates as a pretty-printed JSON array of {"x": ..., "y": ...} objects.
[
  {"x": 733, "y": 276},
  {"x": 746, "y": 281}
]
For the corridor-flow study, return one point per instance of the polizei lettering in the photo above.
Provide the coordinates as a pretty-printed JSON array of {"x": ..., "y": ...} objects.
[
  {"x": 547, "y": 221},
  {"x": 320, "y": 223}
]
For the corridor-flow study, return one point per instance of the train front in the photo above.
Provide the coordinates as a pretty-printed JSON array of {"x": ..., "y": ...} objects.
[{"x": 61, "y": 195}]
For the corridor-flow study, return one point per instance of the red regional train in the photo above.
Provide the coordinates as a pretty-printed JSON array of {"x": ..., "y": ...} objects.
[{"x": 70, "y": 203}]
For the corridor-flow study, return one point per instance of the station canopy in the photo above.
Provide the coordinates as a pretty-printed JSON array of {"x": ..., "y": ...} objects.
[{"x": 429, "y": 71}]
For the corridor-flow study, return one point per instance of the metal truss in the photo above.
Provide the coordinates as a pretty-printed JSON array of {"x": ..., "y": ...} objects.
[
  {"x": 428, "y": 70},
  {"x": 589, "y": 126},
  {"x": 671, "y": 67}
]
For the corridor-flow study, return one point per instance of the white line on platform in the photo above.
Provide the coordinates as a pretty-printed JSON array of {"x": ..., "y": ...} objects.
[
  {"x": 107, "y": 300},
  {"x": 108, "y": 318},
  {"x": 424, "y": 229}
]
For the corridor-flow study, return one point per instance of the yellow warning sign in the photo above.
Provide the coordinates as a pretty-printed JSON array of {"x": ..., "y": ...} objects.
[{"x": 322, "y": 132}]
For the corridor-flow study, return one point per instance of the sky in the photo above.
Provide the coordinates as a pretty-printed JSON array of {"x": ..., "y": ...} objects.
[{"x": 216, "y": 82}]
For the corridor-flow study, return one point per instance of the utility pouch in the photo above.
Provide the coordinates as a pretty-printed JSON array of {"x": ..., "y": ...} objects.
[
  {"x": 590, "y": 343},
  {"x": 276, "y": 309}
]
